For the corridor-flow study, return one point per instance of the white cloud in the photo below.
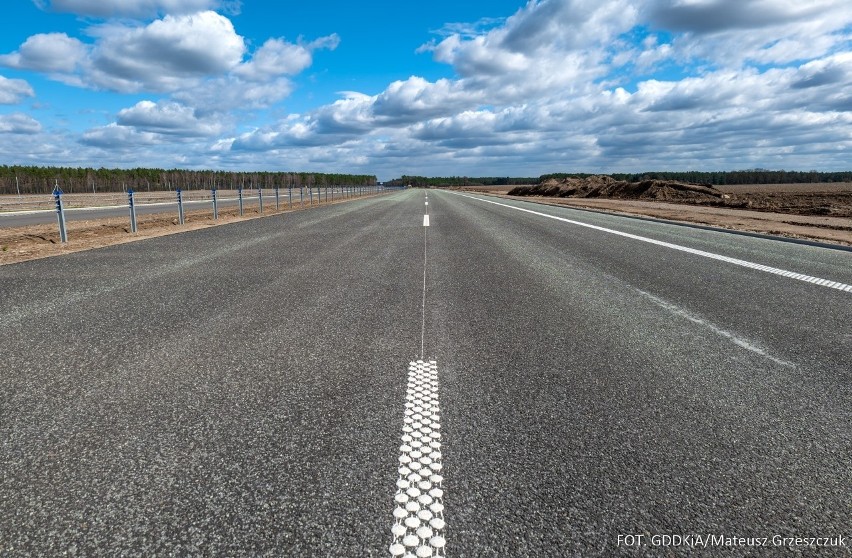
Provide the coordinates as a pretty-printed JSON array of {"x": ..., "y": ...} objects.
[
  {"x": 47, "y": 52},
  {"x": 542, "y": 43},
  {"x": 118, "y": 138},
  {"x": 733, "y": 33},
  {"x": 712, "y": 16},
  {"x": 164, "y": 54},
  {"x": 198, "y": 58},
  {"x": 169, "y": 118},
  {"x": 278, "y": 58},
  {"x": 19, "y": 123},
  {"x": 135, "y": 8},
  {"x": 12, "y": 91},
  {"x": 232, "y": 93}
]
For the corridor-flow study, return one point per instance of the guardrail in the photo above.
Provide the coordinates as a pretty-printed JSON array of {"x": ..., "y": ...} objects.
[{"x": 314, "y": 194}]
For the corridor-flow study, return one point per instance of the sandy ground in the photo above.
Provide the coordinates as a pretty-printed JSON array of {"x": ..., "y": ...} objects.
[
  {"x": 834, "y": 230},
  {"x": 19, "y": 244}
]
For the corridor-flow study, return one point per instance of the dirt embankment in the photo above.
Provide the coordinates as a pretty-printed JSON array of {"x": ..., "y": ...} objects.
[
  {"x": 834, "y": 203},
  {"x": 808, "y": 211},
  {"x": 608, "y": 187}
]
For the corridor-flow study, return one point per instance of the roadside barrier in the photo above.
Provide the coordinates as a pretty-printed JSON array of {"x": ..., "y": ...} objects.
[
  {"x": 322, "y": 195},
  {"x": 133, "y": 228},
  {"x": 60, "y": 215}
]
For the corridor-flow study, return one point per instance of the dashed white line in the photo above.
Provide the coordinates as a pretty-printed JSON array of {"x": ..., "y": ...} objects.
[
  {"x": 735, "y": 339},
  {"x": 742, "y": 263},
  {"x": 425, "y": 220},
  {"x": 419, "y": 513}
]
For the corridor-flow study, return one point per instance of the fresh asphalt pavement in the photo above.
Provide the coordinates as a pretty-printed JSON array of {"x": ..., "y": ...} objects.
[{"x": 239, "y": 390}]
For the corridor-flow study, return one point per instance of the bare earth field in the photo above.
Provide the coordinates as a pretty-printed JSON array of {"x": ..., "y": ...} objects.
[
  {"x": 19, "y": 244},
  {"x": 821, "y": 212}
]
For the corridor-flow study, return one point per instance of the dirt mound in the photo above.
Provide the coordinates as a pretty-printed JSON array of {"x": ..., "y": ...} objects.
[{"x": 608, "y": 187}]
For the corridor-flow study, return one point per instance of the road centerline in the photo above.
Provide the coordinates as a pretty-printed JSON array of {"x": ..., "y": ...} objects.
[{"x": 419, "y": 512}]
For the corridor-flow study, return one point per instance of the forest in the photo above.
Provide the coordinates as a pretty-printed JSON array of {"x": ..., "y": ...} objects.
[
  {"x": 716, "y": 178},
  {"x": 42, "y": 180},
  {"x": 438, "y": 181}
]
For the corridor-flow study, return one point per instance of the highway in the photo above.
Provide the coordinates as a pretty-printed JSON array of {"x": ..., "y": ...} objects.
[{"x": 513, "y": 379}]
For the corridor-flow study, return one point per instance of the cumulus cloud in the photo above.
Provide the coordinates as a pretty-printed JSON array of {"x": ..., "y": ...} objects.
[
  {"x": 161, "y": 56},
  {"x": 118, "y": 137},
  {"x": 231, "y": 93},
  {"x": 168, "y": 118},
  {"x": 198, "y": 58},
  {"x": 710, "y": 16},
  {"x": 277, "y": 57},
  {"x": 12, "y": 91},
  {"x": 732, "y": 33},
  {"x": 135, "y": 8},
  {"x": 47, "y": 52},
  {"x": 19, "y": 123},
  {"x": 544, "y": 47},
  {"x": 540, "y": 43}
]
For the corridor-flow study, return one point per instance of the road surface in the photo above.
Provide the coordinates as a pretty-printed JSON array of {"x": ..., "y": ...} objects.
[{"x": 557, "y": 380}]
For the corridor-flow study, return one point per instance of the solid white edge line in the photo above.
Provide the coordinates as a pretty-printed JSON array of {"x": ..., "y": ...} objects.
[{"x": 742, "y": 263}]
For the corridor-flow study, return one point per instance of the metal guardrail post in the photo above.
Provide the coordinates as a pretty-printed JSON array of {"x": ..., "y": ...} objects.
[
  {"x": 132, "y": 204},
  {"x": 215, "y": 204},
  {"x": 180, "y": 205},
  {"x": 240, "y": 195},
  {"x": 277, "y": 203},
  {"x": 60, "y": 214},
  {"x": 260, "y": 198},
  {"x": 301, "y": 195},
  {"x": 290, "y": 195}
]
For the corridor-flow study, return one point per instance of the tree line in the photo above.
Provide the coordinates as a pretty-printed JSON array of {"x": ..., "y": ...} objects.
[
  {"x": 42, "y": 180},
  {"x": 439, "y": 181},
  {"x": 751, "y": 176}
]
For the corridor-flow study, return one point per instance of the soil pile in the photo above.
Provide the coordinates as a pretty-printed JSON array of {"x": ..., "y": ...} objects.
[
  {"x": 608, "y": 187},
  {"x": 831, "y": 200}
]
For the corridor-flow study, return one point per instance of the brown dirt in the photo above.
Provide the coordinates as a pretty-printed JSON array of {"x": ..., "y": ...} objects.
[
  {"x": 809, "y": 211},
  {"x": 19, "y": 244},
  {"x": 836, "y": 230},
  {"x": 834, "y": 203},
  {"x": 809, "y": 188}
]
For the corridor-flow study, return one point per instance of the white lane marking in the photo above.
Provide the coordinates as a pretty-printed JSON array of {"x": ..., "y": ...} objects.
[
  {"x": 425, "y": 220},
  {"x": 743, "y": 263},
  {"x": 427, "y": 203},
  {"x": 678, "y": 311},
  {"x": 419, "y": 513}
]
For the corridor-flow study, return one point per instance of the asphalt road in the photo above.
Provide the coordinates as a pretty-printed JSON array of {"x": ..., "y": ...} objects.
[
  {"x": 251, "y": 203},
  {"x": 240, "y": 390}
]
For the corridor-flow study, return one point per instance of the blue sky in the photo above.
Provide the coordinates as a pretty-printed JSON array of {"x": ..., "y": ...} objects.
[{"x": 440, "y": 88}]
